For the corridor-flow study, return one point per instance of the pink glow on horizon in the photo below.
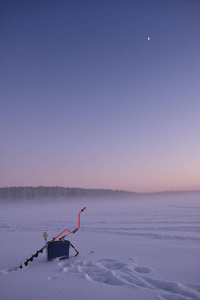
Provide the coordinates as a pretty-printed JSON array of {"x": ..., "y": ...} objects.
[{"x": 91, "y": 103}]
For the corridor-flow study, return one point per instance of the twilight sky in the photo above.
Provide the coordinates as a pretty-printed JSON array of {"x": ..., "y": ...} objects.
[{"x": 86, "y": 100}]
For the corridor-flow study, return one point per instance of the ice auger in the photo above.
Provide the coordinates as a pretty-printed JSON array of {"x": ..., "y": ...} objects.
[{"x": 56, "y": 249}]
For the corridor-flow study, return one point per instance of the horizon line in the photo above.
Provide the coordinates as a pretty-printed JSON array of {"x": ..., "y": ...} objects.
[{"x": 105, "y": 189}]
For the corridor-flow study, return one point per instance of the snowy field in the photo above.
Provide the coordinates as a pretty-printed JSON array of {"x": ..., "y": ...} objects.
[{"x": 147, "y": 248}]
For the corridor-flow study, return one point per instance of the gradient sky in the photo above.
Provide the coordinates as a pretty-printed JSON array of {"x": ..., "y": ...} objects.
[{"x": 87, "y": 101}]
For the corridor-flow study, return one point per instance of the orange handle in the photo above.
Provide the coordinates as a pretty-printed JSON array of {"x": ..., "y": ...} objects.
[{"x": 75, "y": 229}]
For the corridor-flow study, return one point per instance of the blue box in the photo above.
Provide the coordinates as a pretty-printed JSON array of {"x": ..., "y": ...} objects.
[{"x": 58, "y": 249}]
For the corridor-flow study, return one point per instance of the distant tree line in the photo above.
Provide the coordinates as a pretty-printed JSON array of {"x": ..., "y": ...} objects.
[
  {"x": 42, "y": 192},
  {"x": 15, "y": 194}
]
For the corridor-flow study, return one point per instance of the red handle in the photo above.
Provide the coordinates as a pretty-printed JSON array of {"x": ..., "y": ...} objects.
[{"x": 75, "y": 229}]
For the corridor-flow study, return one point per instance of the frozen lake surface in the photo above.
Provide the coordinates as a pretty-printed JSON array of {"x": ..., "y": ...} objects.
[{"x": 145, "y": 248}]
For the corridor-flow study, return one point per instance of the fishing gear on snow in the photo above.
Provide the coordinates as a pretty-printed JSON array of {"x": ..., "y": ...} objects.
[{"x": 56, "y": 249}]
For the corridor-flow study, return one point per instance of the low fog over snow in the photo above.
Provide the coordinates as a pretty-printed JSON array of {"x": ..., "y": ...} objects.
[{"x": 139, "y": 248}]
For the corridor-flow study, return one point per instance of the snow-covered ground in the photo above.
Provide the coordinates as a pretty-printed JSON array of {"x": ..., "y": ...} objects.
[{"x": 146, "y": 248}]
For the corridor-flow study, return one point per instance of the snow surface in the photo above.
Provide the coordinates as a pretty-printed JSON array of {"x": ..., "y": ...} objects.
[{"x": 146, "y": 248}]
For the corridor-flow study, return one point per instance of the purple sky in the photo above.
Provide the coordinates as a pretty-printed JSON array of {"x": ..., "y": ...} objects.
[{"x": 87, "y": 101}]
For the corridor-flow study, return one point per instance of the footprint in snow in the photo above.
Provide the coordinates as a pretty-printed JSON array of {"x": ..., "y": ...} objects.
[
  {"x": 108, "y": 271},
  {"x": 113, "y": 272},
  {"x": 142, "y": 269},
  {"x": 52, "y": 277},
  {"x": 177, "y": 290},
  {"x": 92, "y": 252}
]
